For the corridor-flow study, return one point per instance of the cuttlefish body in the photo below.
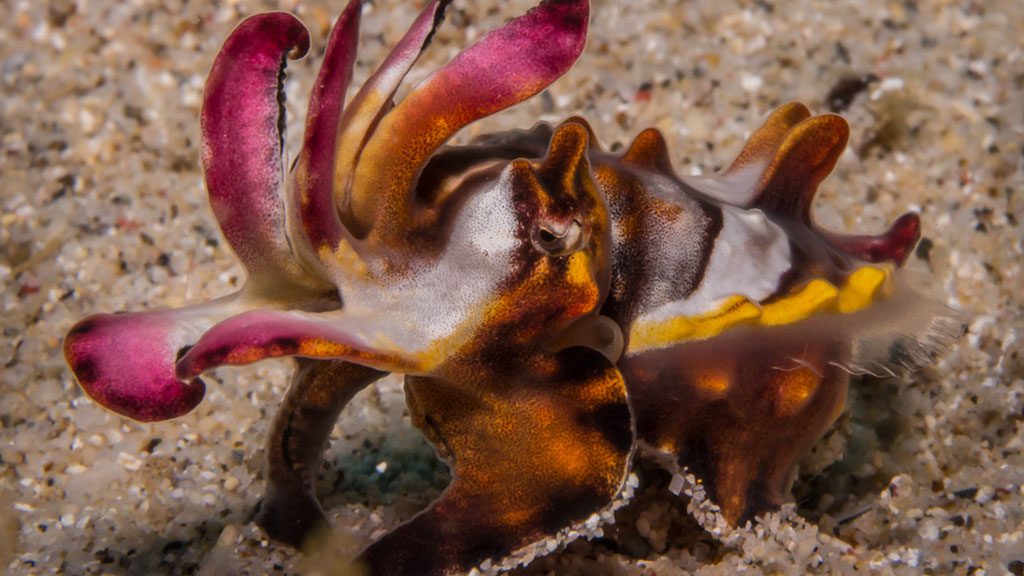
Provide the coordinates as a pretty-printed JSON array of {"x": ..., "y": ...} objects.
[
  {"x": 552, "y": 305},
  {"x": 743, "y": 320}
]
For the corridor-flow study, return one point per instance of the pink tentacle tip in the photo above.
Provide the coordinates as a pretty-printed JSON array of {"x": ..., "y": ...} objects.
[
  {"x": 271, "y": 31},
  {"x": 129, "y": 369}
]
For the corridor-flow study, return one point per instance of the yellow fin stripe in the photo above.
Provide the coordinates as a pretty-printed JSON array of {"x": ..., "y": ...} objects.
[
  {"x": 736, "y": 310},
  {"x": 818, "y": 296},
  {"x": 861, "y": 289}
]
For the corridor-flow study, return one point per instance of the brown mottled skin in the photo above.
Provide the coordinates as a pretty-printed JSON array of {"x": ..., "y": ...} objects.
[
  {"x": 737, "y": 440},
  {"x": 741, "y": 428},
  {"x": 735, "y": 415}
]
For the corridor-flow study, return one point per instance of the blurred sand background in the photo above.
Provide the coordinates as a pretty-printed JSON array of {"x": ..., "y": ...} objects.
[{"x": 103, "y": 209}]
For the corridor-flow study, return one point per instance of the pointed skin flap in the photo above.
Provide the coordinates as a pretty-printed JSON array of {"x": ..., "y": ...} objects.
[
  {"x": 803, "y": 160},
  {"x": 649, "y": 151},
  {"x": 566, "y": 160},
  {"x": 743, "y": 182},
  {"x": 762, "y": 144}
]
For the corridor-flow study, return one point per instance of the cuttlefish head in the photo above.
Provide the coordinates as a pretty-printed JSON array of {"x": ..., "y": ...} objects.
[{"x": 534, "y": 232}]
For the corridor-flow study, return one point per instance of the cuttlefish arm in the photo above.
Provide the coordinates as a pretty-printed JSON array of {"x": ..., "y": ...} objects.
[
  {"x": 374, "y": 100},
  {"x": 125, "y": 362},
  {"x": 290, "y": 511},
  {"x": 315, "y": 222},
  {"x": 503, "y": 69},
  {"x": 535, "y": 453},
  {"x": 243, "y": 138},
  {"x": 262, "y": 334}
]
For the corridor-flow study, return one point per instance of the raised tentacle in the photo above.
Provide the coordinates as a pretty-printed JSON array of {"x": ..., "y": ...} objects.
[
  {"x": 504, "y": 68},
  {"x": 243, "y": 138},
  {"x": 127, "y": 362},
  {"x": 534, "y": 451},
  {"x": 374, "y": 99},
  {"x": 313, "y": 174},
  {"x": 290, "y": 511}
]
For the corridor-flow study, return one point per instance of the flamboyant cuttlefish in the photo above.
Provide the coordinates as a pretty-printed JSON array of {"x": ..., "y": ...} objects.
[{"x": 553, "y": 305}]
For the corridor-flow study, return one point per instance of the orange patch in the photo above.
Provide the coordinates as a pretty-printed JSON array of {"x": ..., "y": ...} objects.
[
  {"x": 714, "y": 380},
  {"x": 246, "y": 355},
  {"x": 795, "y": 389}
]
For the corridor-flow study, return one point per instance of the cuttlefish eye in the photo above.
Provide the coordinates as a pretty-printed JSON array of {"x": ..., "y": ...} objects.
[{"x": 558, "y": 239}]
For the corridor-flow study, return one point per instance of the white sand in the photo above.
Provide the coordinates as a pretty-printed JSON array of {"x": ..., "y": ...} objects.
[{"x": 103, "y": 209}]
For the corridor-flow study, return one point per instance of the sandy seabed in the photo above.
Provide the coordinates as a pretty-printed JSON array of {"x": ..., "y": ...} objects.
[{"x": 103, "y": 209}]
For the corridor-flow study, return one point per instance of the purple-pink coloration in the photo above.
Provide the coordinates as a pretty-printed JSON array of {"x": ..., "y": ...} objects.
[
  {"x": 128, "y": 361},
  {"x": 260, "y": 334},
  {"x": 510, "y": 59},
  {"x": 242, "y": 123},
  {"x": 374, "y": 99},
  {"x": 451, "y": 98},
  {"x": 314, "y": 171}
]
